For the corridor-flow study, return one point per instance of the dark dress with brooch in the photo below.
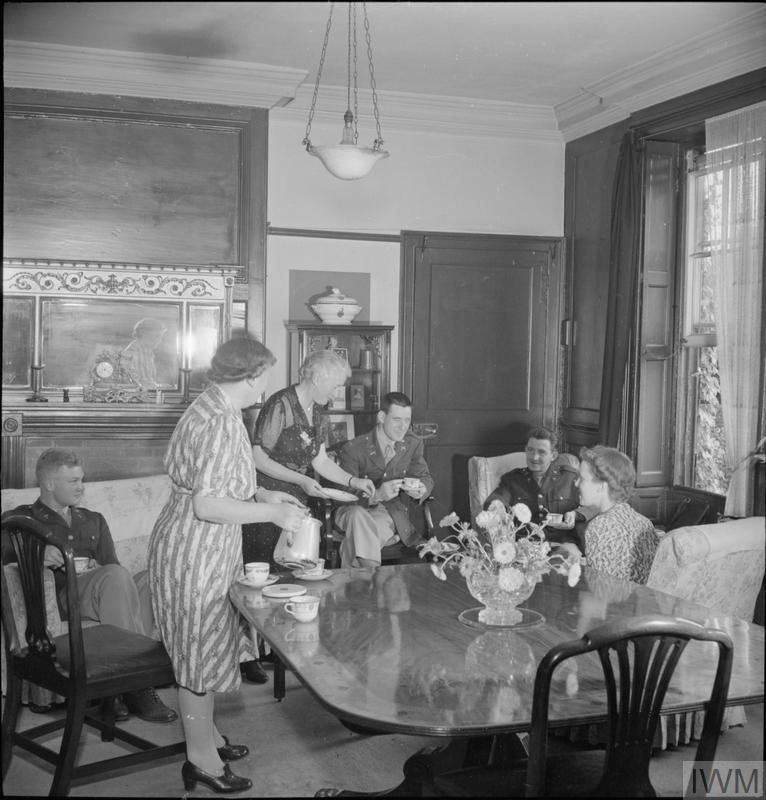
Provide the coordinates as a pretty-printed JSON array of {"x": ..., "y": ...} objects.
[{"x": 288, "y": 437}]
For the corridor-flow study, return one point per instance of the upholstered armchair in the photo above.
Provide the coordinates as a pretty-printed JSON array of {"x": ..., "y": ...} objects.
[
  {"x": 484, "y": 475},
  {"x": 720, "y": 566}
]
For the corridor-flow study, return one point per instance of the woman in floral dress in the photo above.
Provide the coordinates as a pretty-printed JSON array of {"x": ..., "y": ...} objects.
[
  {"x": 618, "y": 540},
  {"x": 195, "y": 553},
  {"x": 290, "y": 441}
]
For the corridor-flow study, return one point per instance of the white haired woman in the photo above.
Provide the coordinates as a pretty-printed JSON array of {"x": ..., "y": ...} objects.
[{"x": 289, "y": 445}]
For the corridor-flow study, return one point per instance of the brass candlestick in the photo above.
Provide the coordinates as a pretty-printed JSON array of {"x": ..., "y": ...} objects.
[
  {"x": 185, "y": 384},
  {"x": 37, "y": 384}
]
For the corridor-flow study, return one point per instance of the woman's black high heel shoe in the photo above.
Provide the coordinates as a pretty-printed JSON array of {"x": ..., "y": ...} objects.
[
  {"x": 232, "y": 752},
  {"x": 224, "y": 784}
]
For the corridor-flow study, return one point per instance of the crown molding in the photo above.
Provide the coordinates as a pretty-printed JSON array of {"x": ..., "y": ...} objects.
[
  {"x": 34, "y": 65},
  {"x": 731, "y": 50},
  {"x": 467, "y": 116}
]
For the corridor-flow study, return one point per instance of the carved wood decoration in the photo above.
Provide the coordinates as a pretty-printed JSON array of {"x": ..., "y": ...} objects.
[
  {"x": 82, "y": 310},
  {"x": 83, "y": 325}
]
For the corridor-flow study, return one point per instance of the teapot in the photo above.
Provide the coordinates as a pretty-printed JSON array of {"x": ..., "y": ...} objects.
[{"x": 305, "y": 546}]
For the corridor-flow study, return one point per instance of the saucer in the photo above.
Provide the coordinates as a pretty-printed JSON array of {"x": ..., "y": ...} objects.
[
  {"x": 298, "y": 573},
  {"x": 283, "y": 591},
  {"x": 245, "y": 582}
]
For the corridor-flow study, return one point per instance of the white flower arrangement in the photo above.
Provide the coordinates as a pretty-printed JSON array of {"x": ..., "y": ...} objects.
[{"x": 497, "y": 550}]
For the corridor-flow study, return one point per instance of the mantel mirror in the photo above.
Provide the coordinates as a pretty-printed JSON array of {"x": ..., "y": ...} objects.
[{"x": 111, "y": 332}]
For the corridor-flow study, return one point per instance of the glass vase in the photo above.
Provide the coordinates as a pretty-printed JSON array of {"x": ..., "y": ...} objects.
[{"x": 500, "y": 605}]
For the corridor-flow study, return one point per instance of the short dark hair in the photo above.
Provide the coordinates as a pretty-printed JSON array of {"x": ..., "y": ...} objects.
[
  {"x": 239, "y": 359},
  {"x": 542, "y": 433},
  {"x": 51, "y": 459},
  {"x": 394, "y": 399}
]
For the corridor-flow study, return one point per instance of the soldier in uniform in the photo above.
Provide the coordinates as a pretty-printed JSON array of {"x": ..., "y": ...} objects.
[{"x": 547, "y": 485}]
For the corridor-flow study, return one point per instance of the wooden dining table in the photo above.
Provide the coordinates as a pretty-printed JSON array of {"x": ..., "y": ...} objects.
[{"x": 388, "y": 653}]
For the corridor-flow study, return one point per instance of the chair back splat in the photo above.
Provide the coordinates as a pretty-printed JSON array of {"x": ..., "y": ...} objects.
[
  {"x": 639, "y": 656},
  {"x": 82, "y": 664}
]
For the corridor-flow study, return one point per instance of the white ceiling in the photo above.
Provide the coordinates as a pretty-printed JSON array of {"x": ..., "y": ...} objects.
[{"x": 570, "y": 59}]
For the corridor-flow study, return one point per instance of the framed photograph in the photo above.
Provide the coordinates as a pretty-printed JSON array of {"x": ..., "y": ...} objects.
[
  {"x": 356, "y": 396},
  {"x": 342, "y": 352},
  {"x": 341, "y": 429},
  {"x": 338, "y": 399}
]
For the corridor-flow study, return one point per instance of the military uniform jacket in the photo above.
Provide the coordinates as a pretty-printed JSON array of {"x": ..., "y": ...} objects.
[
  {"x": 88, "y": 534},
  {"x": 362, "y": 458},
  {"x": 556, "y": 493}
]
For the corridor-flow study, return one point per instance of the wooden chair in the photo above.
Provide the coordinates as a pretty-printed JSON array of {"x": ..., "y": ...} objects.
[
  {"x": 83, "y": 665},
  {"x": 332, "y": 536},
  {"x": 638, "y": 657}
]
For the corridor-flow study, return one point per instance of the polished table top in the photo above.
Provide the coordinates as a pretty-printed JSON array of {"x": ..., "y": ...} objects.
[{"x": 388, "y": 651}]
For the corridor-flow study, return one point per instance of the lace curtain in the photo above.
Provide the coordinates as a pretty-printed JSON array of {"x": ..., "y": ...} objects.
[{"x": 734, "y": 146}]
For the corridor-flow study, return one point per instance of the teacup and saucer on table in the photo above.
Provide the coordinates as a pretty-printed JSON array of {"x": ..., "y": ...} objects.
[
  {"x": 257, "y": 575},
  {"x": 312, "y": 570}
]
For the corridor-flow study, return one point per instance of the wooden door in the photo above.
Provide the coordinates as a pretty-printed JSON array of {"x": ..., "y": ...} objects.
[{"x": 479, "y": 347}]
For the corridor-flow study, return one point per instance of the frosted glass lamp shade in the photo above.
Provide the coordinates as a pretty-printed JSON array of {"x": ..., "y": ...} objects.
[{"x": 347, "y": 161}]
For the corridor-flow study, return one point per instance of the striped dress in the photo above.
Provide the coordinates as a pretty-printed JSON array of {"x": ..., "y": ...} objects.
[{"x": 192, "y": 563}]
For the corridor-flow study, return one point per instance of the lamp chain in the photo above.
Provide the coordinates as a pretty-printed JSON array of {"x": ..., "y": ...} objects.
[
  {"x": 379, "y": 140},
  {"x": 356, "y": 93},
  {"x": 306, "y": 140}
]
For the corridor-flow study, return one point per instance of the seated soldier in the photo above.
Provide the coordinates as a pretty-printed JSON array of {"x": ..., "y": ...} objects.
[
  {"x": 391, "y": 456},
  {"x": 108, "y": 593},
  {"x": 547, "y": 485}
]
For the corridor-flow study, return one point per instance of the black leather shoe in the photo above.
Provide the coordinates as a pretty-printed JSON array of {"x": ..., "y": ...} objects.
[
  {"x": 146, "y": 705},
  {"x": 121, "y": 712},
  {"x": 232, "y": 752},
  {"x": 225, "y": 784},
  {"x": 252, "y": 671}
]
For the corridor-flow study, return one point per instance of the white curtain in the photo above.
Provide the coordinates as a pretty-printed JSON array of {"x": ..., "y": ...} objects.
[{"x": 734, "y": 145}]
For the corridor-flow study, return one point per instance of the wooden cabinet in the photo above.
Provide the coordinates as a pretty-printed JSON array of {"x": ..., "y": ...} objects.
[{"x": 367, "y": 348}]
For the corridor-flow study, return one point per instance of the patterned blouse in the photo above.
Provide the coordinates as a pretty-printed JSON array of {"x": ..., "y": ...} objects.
[
  {"x": 621, "y": 542},
  {"x": 286, "y": 436}
]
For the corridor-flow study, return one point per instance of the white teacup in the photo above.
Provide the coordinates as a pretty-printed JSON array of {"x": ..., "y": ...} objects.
[
  {"x": 410, "y": 484},
  {"x": 81, "y": 564},
  {"x": 555, "y": 519},
  {"x": 257, "y": 573},
  {"x": 315, "y": 568},
  {"x": 304, "y": 609}
]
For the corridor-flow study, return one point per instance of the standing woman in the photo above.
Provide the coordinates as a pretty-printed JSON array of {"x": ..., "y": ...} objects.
[
  {"x": 289, "y": 444},
  {"x": 618, "y": 540},
  {"x": 195, "y": 553}
]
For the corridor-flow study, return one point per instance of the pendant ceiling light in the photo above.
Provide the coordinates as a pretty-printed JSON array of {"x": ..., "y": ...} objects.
[{"x": 347, "y": 160}]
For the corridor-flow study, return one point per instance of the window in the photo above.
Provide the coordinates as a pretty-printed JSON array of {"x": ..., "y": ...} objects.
[{"x": 700, "y": 442}]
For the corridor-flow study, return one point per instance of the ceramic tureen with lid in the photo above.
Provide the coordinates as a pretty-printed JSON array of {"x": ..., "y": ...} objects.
[{"x": 334, "y": 308}]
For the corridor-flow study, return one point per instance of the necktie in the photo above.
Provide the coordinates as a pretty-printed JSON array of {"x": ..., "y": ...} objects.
[{"x": 389, "y": 454}]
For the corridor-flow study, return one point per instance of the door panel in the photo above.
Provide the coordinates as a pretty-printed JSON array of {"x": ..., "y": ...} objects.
[{"x": 479, "y": 341}]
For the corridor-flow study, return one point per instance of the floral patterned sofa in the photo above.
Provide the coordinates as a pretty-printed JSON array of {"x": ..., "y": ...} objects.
[
  {"x": 720, "y": 566},
  {"x": 130, "y": 507}
]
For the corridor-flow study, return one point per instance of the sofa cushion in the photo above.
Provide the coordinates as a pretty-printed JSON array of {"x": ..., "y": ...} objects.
[{"x": 129, "y": 505}]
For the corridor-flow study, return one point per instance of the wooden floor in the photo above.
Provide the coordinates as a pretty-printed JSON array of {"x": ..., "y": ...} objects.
[{"x": 297, "y": 747}]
